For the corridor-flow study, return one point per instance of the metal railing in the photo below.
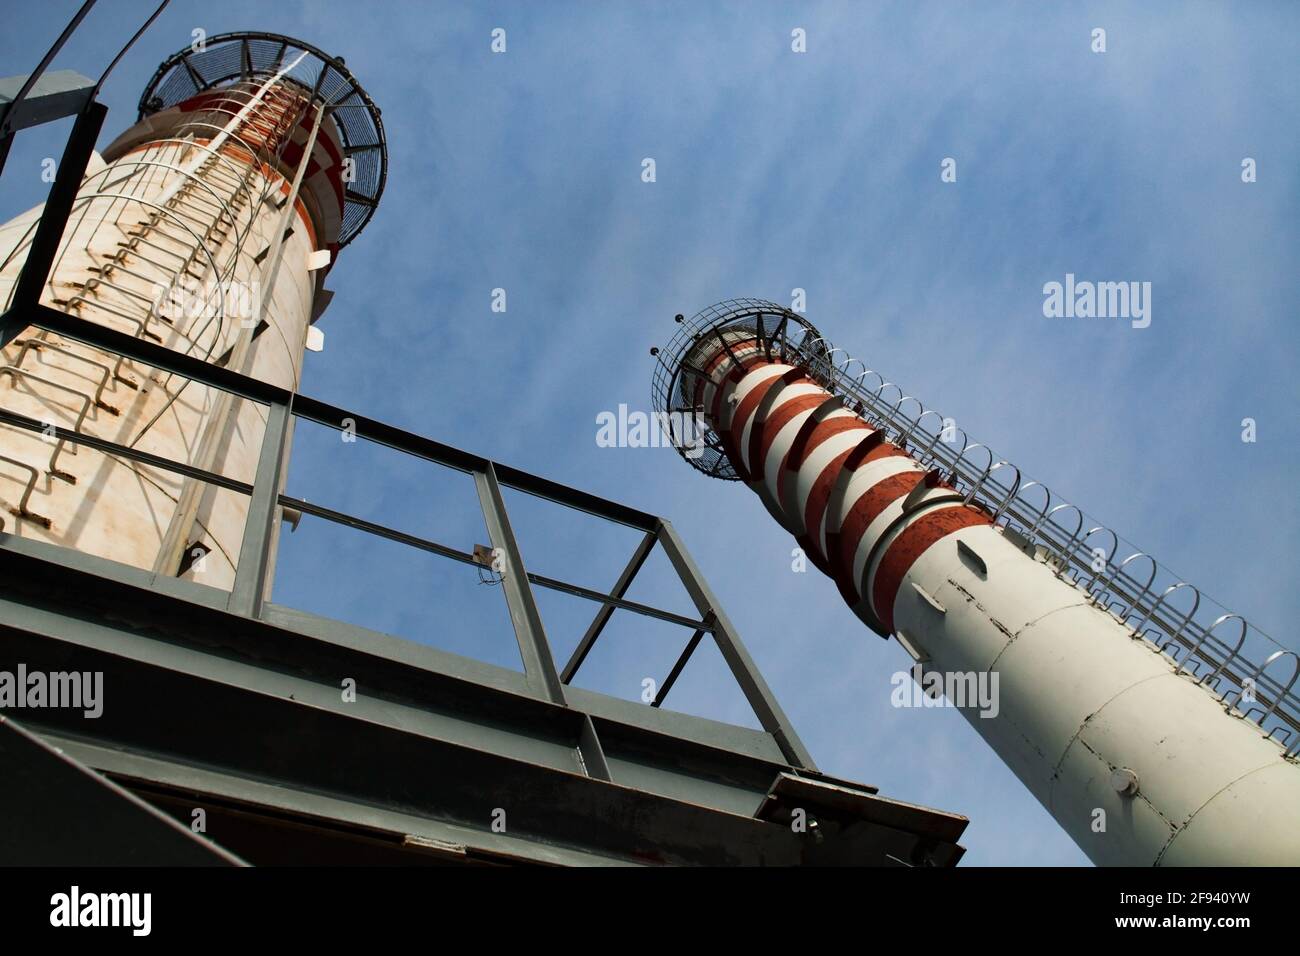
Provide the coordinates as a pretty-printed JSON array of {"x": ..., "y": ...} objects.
[
  {"x": 246, "y": 597},
  {"x": 255, "y": 561}
]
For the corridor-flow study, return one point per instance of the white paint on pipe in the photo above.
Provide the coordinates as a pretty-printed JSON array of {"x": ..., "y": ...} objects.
[
  {"x": 119, "y": 509},
  {"x": 1080, "y": 697}
]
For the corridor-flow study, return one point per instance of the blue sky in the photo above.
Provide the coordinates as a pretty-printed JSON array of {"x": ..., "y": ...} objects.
[{"x": 778, "y": 170}]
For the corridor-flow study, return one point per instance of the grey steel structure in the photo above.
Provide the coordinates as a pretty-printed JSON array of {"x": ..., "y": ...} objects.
[{"x": 222, "y": 701}]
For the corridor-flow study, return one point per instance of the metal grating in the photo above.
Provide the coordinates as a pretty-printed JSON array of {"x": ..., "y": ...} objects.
[
  {"x": 674, "y": 373},
  {"x": 234, "y": 57}
]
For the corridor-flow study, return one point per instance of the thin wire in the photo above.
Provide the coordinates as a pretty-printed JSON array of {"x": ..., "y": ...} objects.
[{"x": 129, "y": 43}]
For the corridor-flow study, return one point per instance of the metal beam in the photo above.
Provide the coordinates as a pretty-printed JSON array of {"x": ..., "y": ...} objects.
[
  {"x": 593, "y": 755},
  {"x": 331, "y": 416},
  {"x": 117, "y": 449},
  {"x": 607, "y": 610},
  {"x": 143, "y": 350},
  {"x": 54, "y": 219},
  {"x": 780, "y": 334},
  {"x": 760, "y": 696},
  {"x": 59, "y": 812},
  {"x": 54, "y": 96},
  {"x": 678, "y": 667},
  {"x": 198, "y": 81},
  {"x": 248, "y": 591},
  {"x": 465, "y": 557},
  {"x": 34, "y": 77},
  {"x": 579, "y": 591},
  {"x": 418, "y": 744},
  {"x": 321, "y": 755},
  {"x": 531, "y": 636},
  {"x": 539, "y": 665},
  {"x": 63, "y": 598}
]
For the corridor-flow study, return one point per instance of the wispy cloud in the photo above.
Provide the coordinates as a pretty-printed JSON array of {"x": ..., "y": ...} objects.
[{"x": 821, "y": 170}]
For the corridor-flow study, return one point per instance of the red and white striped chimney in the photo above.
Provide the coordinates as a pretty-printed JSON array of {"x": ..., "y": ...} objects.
[{"x": 1135, "y": 746}]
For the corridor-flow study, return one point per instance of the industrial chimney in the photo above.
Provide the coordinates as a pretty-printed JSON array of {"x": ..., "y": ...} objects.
[
  {"x": 208, "y": 227},
  {"x": 1133, "y": 715}
]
